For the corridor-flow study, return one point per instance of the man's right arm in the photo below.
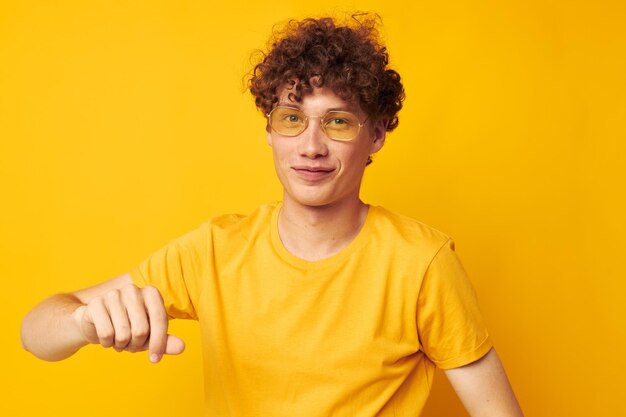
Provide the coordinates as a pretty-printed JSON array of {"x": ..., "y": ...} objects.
[{"x": 115, "y": 313}]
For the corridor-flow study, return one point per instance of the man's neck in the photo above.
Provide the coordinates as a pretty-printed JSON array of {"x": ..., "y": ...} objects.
[{"x": 319, "y": 232}]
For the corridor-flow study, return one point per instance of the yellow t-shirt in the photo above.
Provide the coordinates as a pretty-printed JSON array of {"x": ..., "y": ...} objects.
[{"x": 358, "y": 334}]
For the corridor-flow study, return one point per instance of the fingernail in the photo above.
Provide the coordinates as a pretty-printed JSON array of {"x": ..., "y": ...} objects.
[{"x": 154, "y": 358}]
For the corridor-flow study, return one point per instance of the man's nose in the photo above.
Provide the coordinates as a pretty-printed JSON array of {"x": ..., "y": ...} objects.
[{"x": 313, "y": 141}]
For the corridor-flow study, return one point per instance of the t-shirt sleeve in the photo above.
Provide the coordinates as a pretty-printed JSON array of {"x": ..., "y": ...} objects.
[
  {"x": 451, "y": 329},
  {"x": 176, "y": 271}
]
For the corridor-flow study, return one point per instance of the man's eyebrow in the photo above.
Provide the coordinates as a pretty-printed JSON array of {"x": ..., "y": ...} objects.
[
  {"x": 346, "y": 108},
  {"x": 288, "y": 104}
]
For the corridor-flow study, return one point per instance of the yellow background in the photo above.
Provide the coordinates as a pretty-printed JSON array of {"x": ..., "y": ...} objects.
[{"x": 125, "y": 124}]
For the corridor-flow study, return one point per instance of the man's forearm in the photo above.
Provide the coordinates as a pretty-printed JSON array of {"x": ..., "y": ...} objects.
[{"x": 49, "y": 331}]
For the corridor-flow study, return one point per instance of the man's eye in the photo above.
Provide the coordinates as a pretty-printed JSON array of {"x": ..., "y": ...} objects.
[
  {"x": 338, "y": 122},
  {"x": 291, "y": 118}
]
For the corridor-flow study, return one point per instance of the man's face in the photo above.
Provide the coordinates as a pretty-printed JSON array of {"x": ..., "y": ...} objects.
[{"x": 314, "y": 169}]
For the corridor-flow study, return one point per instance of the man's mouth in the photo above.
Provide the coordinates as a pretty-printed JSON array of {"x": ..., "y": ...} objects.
[
  {"x": 312, "y": 172},
  {"x": 313, "y": 168}
]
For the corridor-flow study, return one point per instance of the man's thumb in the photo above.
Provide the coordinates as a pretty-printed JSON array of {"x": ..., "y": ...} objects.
[{"x": 174, "y": 345}]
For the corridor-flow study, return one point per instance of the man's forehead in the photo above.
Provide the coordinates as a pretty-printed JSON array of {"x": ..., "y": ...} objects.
[{"x": 317, "y": 95}]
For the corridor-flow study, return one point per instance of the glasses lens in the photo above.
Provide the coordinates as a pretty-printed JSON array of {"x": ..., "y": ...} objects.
[
  {"x": 341, "y": 125},
  {"x": 287, "y": 121}
]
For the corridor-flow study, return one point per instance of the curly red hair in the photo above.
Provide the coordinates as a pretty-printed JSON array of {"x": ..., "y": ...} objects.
[{"x": 348, "y": 58}]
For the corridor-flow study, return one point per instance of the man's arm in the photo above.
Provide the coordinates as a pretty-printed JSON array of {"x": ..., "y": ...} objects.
[
  {"x": 115, "y": 313},
  {"x": 484, "y": 388}
]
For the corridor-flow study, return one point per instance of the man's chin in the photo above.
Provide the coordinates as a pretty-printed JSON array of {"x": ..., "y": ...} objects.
[{"x": 313, "y": 201}]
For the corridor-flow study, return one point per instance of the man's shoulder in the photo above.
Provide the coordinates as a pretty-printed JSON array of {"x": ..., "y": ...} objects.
[
  {"x": 234, "y": 223},
  {"x": 408, "y": 231}
]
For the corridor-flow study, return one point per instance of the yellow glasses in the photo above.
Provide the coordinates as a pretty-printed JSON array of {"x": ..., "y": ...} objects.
[{"x": 337, "y": 125}]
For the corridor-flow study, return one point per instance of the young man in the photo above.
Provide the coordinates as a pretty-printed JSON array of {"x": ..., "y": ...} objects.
[{"x": 319, "y": 305}]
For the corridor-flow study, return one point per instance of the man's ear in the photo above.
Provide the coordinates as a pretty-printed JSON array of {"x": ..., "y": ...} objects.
[
  {"x": 379, "y": 134},
  {"x": 268, "y": 131}
]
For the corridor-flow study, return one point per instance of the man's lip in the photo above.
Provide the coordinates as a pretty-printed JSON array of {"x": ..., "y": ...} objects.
[
  {"x": 312, "y": 173},
  {"x": 313, "y": 168}
]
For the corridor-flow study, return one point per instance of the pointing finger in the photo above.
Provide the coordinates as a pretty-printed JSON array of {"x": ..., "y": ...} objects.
[{"x": 157, "y": 317}]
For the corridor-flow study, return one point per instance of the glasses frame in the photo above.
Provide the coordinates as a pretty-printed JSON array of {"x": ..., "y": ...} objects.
[{"x": 306, "y": 122}]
